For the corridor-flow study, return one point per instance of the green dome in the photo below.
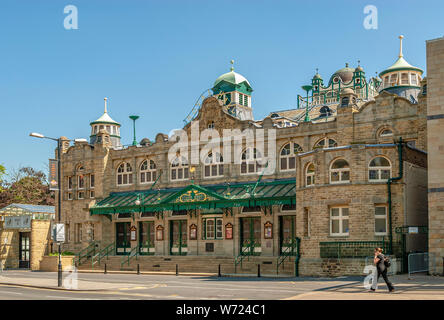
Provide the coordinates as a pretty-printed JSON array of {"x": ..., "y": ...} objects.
[
  {"x": 231, "y": 77},
  {"x": 317, "y": 76}
]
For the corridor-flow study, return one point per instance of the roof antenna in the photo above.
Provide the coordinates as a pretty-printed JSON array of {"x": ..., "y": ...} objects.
[
  {"x": 106, "y": 111},
  {"x": 400, "y": 46},
  {"x": 232, "y": 65}
]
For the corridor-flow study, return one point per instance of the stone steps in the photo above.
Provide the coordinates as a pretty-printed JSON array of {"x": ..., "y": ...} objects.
[{"x": 194, "y": 264}]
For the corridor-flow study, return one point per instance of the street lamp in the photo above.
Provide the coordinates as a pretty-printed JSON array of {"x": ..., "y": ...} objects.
[
  {"x": 59, "y": 217},
  {"x": 307, "y": 88},
  {"x": 134, "y": 118}
]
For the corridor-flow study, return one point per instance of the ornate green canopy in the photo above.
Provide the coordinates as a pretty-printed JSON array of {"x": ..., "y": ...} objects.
[{"x": 193, "y": 197}]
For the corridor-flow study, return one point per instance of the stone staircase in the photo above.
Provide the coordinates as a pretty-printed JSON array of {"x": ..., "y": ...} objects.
[{"x": 194, "y": 264}]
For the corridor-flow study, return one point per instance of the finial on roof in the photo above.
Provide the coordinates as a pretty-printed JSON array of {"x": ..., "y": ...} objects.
[
  {"x": 105, "y": 104},
  {"x": 232, "y": 65},
  {"x": 346, "y": 64},
  {"x": 359, "y": 63},
  {"x": 400, "y": 45},
  {"x": 317, "y": 70}
]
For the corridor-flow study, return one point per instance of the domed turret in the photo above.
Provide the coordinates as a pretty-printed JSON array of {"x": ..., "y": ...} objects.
[
  {"x": 105, "y": 122},
  {"x": 235, "y": 91},
  {"x": 344, "y": 74},
  {"x": 317, "y": 82},
  {"x": 402, "y": 78}
]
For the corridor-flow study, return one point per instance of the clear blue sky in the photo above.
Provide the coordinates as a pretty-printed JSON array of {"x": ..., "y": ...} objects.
[{"x": 154, "y": 58}]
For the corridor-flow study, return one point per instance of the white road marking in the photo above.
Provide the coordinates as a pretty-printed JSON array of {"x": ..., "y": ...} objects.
[{"x": 10, "y": 292}]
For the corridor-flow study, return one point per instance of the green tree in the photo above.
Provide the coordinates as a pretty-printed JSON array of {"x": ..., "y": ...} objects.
[{"x": 26, "y": 185}]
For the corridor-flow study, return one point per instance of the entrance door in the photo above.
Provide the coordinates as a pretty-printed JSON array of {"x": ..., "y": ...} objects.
[
  {"x": 24, "y": 250},
  {"x": 250, "y": 235},
  {"x": 287, "y": 234},
  {"x": 146, "y": 237},
  {"x": 178, "y": 237},
  {"x": 123, "y": 243}
]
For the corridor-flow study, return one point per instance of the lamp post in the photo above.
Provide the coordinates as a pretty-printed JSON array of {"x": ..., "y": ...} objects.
[
  {"x": 59, "y": 213},
  {"x": 134, "y": 118},
  {"x": 307, "y": 88}
]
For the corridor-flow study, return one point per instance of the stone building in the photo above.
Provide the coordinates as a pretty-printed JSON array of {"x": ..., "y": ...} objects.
[
  {"x": 435, "y": 141},
  {"x": 25, "y": 235},
  {"x": 339, "y": 175}
]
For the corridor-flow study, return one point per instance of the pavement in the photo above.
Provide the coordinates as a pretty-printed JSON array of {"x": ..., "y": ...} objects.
[{"x": 89, "y": 286}]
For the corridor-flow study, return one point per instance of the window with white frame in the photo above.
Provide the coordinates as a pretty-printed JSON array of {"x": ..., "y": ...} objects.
[
  {"x": 339, "y": 171},
  {"x": 80, "y": 182},
  {"x": 380, "y": 220},
  {"x": 394, "y": 79},
  {"x": 214, "y": 166},
  {"x": 310, "y": 175},
  {"x": 179, "y": 168},
  {"x": 288, "y": 156},
  {"x": 81, "y": 195},
  {"x": 213, "y": 228},
  {"x": 91, "y": 181},
  {"x": 69, "y": 195},
  {"x": 69, "y": 183},
  {"x": 251, "y": 161},
  {"x": 404, "y": 78},
  {"x": 124, "y": 174},
  {"x": 379, "y": 169},
  {"x": 339, "y": 221},
  {"x": 413, "y": 79},
  {"x": 326, "y": 143},
  {"x": 91, "y": 194},
  {"x": 147, "y": 171}
]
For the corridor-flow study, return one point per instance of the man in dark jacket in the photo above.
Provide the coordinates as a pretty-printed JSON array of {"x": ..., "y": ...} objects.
[{"x": 382, "y": 270}]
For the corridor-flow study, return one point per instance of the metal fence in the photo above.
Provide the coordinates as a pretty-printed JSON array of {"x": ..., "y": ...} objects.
[
  {"x": 421, "y": 262},
  {"x": 350, "y": 249}
]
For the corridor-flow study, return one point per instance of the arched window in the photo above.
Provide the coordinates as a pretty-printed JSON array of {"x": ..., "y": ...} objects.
[
  {"x": 251, "y": 161},
  {"x": 214, "y": 166},
  {"x": 288, "y": 156},
  {"x": 379, "y": 169},
  {"x": 124, "y": 174},
  {"x": 339, "y": 171},
  {"x": 179, "y": 168},
  {"x": 310, "y": 175},
  {"x": 147, "y": 171},
  {"x": 325, "y": 143},
  {"x": 386, "y": 133}
]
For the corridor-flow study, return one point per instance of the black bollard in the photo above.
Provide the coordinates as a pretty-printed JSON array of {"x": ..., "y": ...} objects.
[
  {"x": 219, "y": 274},
  {"x": 177, "y": 269},
  {"x": 138, "y": 269},
  {"x": 259, "y": 270},
  {"x": 105, "y": 272}
]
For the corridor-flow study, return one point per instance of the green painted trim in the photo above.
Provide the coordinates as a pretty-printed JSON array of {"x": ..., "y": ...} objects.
[
  {"x": 400, "y": 69},
  {"x": 104, "y": 122},
  {"x": 402, "y": 86},
  {"x": 111, "y": 135}
]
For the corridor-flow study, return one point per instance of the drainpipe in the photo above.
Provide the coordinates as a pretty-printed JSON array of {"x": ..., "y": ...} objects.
[
  {"x": 389, "y": 190},
  {"x": 298, "y": 255}
]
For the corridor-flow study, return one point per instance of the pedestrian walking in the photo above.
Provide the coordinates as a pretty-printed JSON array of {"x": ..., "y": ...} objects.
[{"x": 381, "y": 263}]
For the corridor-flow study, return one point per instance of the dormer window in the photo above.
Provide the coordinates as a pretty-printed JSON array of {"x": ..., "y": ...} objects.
[{"x": 345, "y": 101}]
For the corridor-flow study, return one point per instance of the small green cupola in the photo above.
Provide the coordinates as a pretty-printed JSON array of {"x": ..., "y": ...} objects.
[
  {"x": 359, "y": 76},
  {"x": 105, "y": 122},
  {"x": 235, "y": 92},
  {"x": 317, "y": 82},
  {"x": 402, "y": 78}
]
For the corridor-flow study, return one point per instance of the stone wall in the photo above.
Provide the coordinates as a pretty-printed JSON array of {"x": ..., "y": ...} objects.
[
  {"x": 435, "y": 143},
  {"x": 40, "y": 239}
]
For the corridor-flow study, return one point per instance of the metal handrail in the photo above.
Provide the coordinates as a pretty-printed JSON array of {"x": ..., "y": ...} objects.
[
  {"x": 133, "y": 253},
  {"x": 289, "y": 251},
  {"x": 86, "y": 252},
  {"x": 102, "y": 253},
  {"x": 242, "y": 255}
]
